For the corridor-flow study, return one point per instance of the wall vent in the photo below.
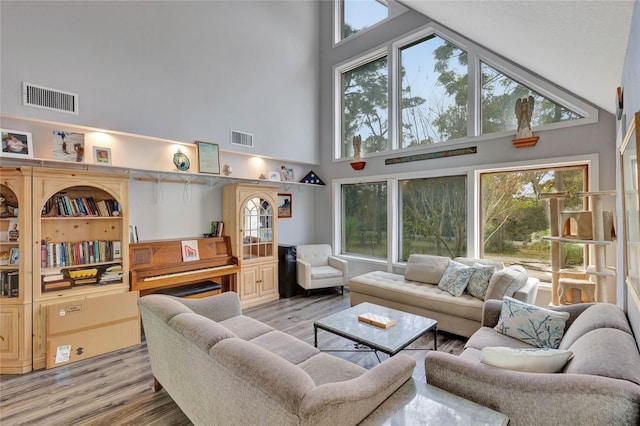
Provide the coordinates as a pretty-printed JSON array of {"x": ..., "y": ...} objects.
[
  {"x": 242, "y": 139},
  {"x": 47, "y": 98}
]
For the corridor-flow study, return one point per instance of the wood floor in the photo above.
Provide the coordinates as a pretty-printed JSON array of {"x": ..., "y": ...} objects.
[{"x": 116, "y": 388}]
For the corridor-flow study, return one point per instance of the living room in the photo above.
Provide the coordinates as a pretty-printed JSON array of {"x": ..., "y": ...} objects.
[{"x": 151, "y": 76}]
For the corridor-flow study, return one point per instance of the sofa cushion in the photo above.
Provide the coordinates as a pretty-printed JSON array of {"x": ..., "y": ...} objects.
[
  {"x": 537, "y": 326},
  {"x": 200, "y": 330},
  {"x": 425, "y": 268},
  {"x": 325, "y": 271},
  {"x": 601, "y": 315},
  {"x": 606, "y": 352},
  {"x": 455, "y": 278},
  {"x": 324, "y": 368},
  {"x": 479, "y": 281},
  {"x": 286, "y": 346},
  {"x": 506, "y": 282},
  {"x": 487, "y": 336},
  {"x": 245, "y": 327},
  {"x": 541, "y": 360}
]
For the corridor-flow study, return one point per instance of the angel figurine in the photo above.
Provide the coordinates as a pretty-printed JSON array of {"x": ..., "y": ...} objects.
[
  {"x": 357, "y": 142},
  {"x": 524, "y": 111}
]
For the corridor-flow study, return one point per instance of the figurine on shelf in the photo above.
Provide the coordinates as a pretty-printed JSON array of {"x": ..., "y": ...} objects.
[
  {"x": 524, "y": 112},
  {"x": 357, "y": 143}
]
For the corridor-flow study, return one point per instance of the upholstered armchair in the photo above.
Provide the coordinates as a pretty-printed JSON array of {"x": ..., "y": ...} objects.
[{"x": 317, "y": 267}]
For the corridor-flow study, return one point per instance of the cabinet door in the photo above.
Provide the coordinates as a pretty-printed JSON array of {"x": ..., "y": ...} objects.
[
  {"x": 249, "y": 288},
  {"x": 269, "y": 279},
  {"x": 9, "y": 332}
]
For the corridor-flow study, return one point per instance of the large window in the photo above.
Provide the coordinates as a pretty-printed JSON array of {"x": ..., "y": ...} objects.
[
  {"x": 433, "y": 102},
  {"x": 514, "y": 219},
  {"x": 364, "y": 107},
  {"x": 364, "y": 219},
  {"x": 360, "y": 14},
  {"x": 434, "y": 216},
  {"x": 499, "y": 95}
]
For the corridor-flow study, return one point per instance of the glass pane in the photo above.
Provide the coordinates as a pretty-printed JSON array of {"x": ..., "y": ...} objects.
[
  {"x": 434, "y": 216},
  {"x": 434, "y": 92},
  {"x": 630, "y": 181},
  {"x": 360, "y": 14},
  {"x": 499, "y": 95},
  {"x": 258, "y": 228},
  {"x": 364, "y": 107},
  {"x": 364, "y": 221},
  {"x": 514, "y": 219}
]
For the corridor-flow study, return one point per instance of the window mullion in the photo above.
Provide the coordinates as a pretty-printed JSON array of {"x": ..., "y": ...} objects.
[{"x": 473, "y": 94}]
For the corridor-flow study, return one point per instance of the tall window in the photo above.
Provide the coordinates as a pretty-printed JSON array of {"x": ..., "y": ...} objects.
[
  {"x": 514, "y": 219},
  {"x": 434, "y": 216},
  {"x": 364, "y": 107},
  {"x": 360, "y": 14},
  {"x": 433, "y": 102},
  {"x": 499, "y": 95},
  {"x": 364, "y": 221}
]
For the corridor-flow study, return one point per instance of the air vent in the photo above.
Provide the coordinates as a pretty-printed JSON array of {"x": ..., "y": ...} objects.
[
  {"x": 47, "y": 98},
  {"x": 242, "y": 139}
]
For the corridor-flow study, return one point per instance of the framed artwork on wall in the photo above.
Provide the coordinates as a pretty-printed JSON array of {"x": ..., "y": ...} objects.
[
  {"x": 16, "y": 144},
  {"x": 208, "y": 157},
  {"x": 101, "y": 155},
  {"x": 284, "y": 205}
]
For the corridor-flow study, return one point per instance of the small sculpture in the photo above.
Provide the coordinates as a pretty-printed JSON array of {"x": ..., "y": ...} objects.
[
  {"x": 357, "y": 142},
  {"x": 524, "y": 111}
]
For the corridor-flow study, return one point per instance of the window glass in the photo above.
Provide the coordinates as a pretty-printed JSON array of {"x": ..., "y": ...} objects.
[
  {"x": 364, "y": 220},
  {"x": 433, "y": 104},
  {"x": 434, "y": 216},
  {"x": 499, "y": 95},
  {"x": 514, "y": 219},
  {"x": 364, "y": 107},
  {"x": 360, "y": 14}
]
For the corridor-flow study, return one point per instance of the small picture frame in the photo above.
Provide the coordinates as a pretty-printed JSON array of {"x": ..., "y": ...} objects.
[
  {"x": 101, "y": 155},
  {"x": 286, "y": 174},
  {"x": 14, "y": 257},
  {"x": 16, "y": 144},
  {"x": 68, "y": 146},
  {"x": 208, "y": 157},
  {"x": 274, "y": 176},
  {"x": 284, "y": 206}
]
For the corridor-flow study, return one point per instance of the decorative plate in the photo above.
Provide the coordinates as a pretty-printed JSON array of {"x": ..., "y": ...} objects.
[{"x": 181, "y": 161}]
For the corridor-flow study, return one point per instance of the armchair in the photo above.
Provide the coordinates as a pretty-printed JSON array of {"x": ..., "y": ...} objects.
[{"x": 318, "y": 268}]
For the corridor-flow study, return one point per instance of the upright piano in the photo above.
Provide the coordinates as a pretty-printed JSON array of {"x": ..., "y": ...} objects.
[{"x": 157, "y": 266}]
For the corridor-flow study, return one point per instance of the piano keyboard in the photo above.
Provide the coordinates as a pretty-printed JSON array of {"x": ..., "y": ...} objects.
[{"x": 195, "y": 271}]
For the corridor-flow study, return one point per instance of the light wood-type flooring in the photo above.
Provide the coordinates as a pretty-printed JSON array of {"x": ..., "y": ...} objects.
[{"x": 116, "y": 388}]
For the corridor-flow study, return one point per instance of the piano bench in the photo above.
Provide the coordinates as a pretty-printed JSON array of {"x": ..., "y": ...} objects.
[{"x": 193, "y": 291}]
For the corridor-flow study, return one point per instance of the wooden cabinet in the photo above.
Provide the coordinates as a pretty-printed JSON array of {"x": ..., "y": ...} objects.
[
  {"x": 79, "y": 242},
  {"x": 250, "y": 216},
  {"x": 15, "y": 270}
]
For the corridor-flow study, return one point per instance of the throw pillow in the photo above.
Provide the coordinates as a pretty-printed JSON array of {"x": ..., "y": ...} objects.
[
  {"x": 528, "y": 360},
  {"x": 455, "y": 278},
  {"x": 536, "y": 326},
  {"x": 479, "y": 281}
]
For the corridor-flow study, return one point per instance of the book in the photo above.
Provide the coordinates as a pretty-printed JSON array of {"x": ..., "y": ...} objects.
[
  {"x": 377, "y": 320},
  {"x": 56, "y": 285}
]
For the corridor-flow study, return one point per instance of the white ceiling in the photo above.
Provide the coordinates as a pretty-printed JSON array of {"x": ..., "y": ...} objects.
[{"x": 577, "y": 44}]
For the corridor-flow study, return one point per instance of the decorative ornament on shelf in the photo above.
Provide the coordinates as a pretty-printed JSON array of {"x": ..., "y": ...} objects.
[
  {"x": 181, "y": 161},
  {"x": 524, "y": 111},
  {"x": 357, "y": 163},
  {"x": 312, "y": 178},
  {"x": 226, "y": 170}
]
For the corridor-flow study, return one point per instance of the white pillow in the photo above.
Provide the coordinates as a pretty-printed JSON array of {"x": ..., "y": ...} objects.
[
  {"x": 455, "y": 278},
  {"x": 528, "y": 360},
  {"x": 536, "y": 326}
]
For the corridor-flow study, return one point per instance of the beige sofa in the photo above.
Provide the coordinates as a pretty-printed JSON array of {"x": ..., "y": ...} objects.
[
  {"x": 600, "y": 384},
  {"x": 222, "y": 367},
  {"x": 417, "y": 291}
]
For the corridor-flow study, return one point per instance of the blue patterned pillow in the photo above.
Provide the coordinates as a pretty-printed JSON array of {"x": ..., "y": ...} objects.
[
  {"x": 479, "y": 281},
  {"x": 536, "y": 326},
  {"x": 455, "y": 278}
]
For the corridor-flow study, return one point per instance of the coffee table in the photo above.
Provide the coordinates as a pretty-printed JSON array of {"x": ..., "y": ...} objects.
[{"x": 407, "y": 329}]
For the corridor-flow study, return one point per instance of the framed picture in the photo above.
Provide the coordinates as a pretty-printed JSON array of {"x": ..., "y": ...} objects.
[
  {"x": 286, "y": 174},
  {"x": 14, "y": 230},
  {"x": 68, "y": 146},
  {"x": 208, "y": 157},
  {"x": 14, "y": 257},
  {"x": 16, "y": 144},
  {"x": 274, "y": 176},
  {"x": 284, "y": 205},
  {"x": 101, "y": 155}
]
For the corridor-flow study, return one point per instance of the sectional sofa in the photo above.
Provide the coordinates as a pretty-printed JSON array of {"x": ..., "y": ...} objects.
[
  {"x": 222, "y": 367},
  {"x": 418, "y": 291}
]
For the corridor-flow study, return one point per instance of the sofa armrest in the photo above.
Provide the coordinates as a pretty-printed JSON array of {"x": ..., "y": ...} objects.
[
  {"x": 536, "y": 398},
  {"x": 350, "y": 401},
  {"x": 491, "y": 312},
  {"x": 303, "y": 272},
  {"x": 529, "y": 292},
  {"x": 342, "y": 265},
  {"x": 217, "y": 308}
]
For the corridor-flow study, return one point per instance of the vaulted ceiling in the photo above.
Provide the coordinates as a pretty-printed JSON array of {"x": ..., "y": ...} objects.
[{"x": 578, "y": 44}]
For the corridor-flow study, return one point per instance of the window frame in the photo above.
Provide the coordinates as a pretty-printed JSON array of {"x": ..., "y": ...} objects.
[{"x": 393, "y": 9}]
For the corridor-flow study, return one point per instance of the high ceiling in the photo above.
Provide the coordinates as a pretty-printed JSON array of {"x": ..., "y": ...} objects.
[{"x": 578, "y": 44}]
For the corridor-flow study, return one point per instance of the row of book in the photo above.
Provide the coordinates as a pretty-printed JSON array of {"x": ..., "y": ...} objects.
[
  {"x": 63, "y": 205},
  {"x": 216, "y": 229},
  {"x": 55, "y": 279},
  {"x": 9, "y": 283},
  {"x": 78, "y": 253}
]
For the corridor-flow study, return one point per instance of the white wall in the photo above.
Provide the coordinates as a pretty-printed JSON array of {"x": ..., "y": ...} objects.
[{"x": 176, "y": 70}]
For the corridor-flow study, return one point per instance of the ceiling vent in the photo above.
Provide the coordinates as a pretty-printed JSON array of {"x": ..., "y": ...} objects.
[
  {"x": 242, "y": 139},
  {"x": 47, "y": 98}
]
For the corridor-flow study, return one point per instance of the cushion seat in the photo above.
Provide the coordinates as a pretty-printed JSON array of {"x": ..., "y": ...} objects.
[{"x": 322, "y": 272}]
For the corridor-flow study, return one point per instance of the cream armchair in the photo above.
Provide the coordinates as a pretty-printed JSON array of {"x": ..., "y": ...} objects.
[{"x": 318, "y": 268}]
